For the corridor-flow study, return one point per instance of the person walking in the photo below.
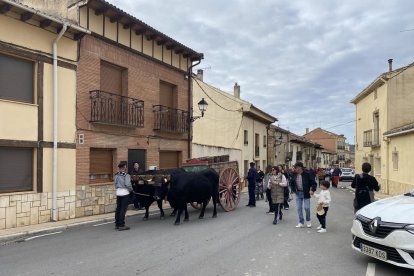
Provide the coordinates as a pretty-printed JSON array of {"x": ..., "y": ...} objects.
[
  {"x": 324, "y": 199},
  {"x": 286, "y": 193},
  {"x": 259, "y": 183},
  {"x": 122, "y": 183},
  {"x": 335, "y": 176},
  {"x": 277, "y": 185},
  {"x": 364, "y": 185},
  {"x": 303, "y": 185},
  {"x": 266, "y": 180},
  {"x": 251, "y": 178}
]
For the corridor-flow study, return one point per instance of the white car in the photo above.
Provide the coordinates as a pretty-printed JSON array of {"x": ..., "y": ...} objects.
[
  {"x": 347, "y": 174},
  {"x": 385, "y": 230}
]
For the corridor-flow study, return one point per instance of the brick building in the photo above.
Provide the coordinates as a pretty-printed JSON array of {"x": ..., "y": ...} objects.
[{"x": 133, "y": 102}]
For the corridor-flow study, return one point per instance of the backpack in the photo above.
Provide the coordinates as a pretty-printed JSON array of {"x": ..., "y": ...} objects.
[{"x": 362, "y": 195}]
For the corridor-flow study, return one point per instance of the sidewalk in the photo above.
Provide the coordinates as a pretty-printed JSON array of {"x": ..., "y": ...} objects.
[{"x": 20, "y": 233}]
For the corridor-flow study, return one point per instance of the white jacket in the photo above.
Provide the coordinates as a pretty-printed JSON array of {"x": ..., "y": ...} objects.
[{"x": 324, "y": 197}]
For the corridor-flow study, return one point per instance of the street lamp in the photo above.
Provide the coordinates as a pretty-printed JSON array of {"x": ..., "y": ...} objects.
[
  {"x": 202, "y": 106},
  {"x": 279, "y": 140}
]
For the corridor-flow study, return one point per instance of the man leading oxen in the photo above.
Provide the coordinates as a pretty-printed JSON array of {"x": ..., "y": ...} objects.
[{"x": 187, "y": 187}]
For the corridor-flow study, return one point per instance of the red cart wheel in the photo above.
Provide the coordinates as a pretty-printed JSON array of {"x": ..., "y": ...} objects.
[{"x": 229, "y": 189}]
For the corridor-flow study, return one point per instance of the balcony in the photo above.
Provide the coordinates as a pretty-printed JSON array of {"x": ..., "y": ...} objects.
[
  {"x": 367, "y": 139},
  {"x": 375, "y": 138},
  {"x": 113, "y": 109},
  {"x": 371, "y": 138},
  {"x": 170, "y": 119}
]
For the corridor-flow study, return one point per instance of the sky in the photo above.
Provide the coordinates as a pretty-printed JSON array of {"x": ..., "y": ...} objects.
[{"x": 301, "y": 61}]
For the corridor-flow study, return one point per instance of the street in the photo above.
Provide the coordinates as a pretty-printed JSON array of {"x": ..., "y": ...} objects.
[{"x": 242, "y": 242}]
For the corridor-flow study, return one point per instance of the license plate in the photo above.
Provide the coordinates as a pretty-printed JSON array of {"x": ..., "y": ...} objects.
[{"x": 373, "y": 252}]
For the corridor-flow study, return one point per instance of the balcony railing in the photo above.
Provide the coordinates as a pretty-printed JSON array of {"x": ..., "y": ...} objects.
[
  {"x": 170, "y": 119},
  {"x": 375, "y": 138},
  {"x": 113, "y": 109},
  {"x": 367, "y": 139}
]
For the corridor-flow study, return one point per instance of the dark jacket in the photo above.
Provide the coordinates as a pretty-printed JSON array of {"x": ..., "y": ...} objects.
[
  {"x": 361, "y": 183},
  {"x": 308, "y": 182},
  {"x": 252, "y": 176}
]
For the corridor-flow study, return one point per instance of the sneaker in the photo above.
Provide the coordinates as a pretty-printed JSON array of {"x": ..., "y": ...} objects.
[
  {"x": 319, "y": 227},
  {"x": 322, "y": 230},
  {"x": 275, "y": 221},
  {"x": 270, "y": 213},
  {"x": 300, "y": 225},
  {"x": 286, "y": 208},
  {"x": 123, "y": 228},
  {"x": 308, "y": 224}
]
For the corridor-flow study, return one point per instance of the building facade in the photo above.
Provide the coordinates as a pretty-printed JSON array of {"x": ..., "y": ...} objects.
[
  {"x": 133, "y": 102},
  {"x": 331, "y": 142},
  {"x": 230, "y": 126},
  {"x": 385, "y": 129},
  {"x": 37, "y": 107}
]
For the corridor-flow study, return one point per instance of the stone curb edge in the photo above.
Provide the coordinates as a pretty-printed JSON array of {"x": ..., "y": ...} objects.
[{"x": 21, "y": 236}]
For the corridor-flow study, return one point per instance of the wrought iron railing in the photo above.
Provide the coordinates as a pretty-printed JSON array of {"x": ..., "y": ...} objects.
[
  {"x": 170, "y": 119},
  {"x": 375, "y": 138},
  {"x": 109, "y": 108},
  {"x": 367, "y": 139}
]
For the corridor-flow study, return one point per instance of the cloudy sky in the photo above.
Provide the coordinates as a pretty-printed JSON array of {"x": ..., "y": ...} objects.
[{"x": 301, "y": 61}]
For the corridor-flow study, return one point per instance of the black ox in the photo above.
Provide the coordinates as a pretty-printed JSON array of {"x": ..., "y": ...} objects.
[
  {"x": 146, "y": 193},
  {"x": 187, "y": 187}
]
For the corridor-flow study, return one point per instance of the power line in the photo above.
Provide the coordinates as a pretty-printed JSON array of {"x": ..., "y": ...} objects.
[{"x": 236, "y": 110}]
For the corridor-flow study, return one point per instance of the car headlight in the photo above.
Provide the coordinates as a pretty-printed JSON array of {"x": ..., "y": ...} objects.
[{"x": 410, "y": 228}]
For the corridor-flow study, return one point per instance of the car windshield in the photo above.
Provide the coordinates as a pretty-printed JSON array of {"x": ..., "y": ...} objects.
[{"x": 346, "y": 170}]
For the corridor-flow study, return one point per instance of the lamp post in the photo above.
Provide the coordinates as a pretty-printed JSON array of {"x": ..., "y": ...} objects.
[{"x": 202, "y": 106}]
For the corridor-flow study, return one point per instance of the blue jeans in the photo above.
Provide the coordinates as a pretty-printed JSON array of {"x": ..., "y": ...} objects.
[{"x": 300, "y": 199}]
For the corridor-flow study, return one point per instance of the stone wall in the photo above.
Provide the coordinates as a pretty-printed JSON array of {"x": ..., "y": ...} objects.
[
  {"x": 95, "y": 200},
  {"x": 24, "y": 209}
]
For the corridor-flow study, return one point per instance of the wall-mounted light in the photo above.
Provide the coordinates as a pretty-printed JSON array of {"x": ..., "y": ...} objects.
[{"x": 202, "y": 106}]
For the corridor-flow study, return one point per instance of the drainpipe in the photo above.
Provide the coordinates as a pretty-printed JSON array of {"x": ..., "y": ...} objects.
[
  {"x": 190, "y": 98},
  {"x": 55, "y": 123}
]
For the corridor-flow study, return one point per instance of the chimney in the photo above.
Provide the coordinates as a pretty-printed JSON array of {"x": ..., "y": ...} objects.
[
  {"x": 237, "y": 90},
  {"x": 390, "y": 65},
  {"x": 200, "y": 74},
  {"x": 307, "y": 130}
]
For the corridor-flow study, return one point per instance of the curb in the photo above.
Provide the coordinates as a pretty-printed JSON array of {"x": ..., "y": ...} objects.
[{"x": 23, "y": 235}]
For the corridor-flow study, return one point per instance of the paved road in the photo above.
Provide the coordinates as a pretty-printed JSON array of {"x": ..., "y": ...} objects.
[{"x": 242, "y": 242}]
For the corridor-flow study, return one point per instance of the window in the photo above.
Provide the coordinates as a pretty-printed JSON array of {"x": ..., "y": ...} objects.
[
  {"x": 375, "y": 139},
  {"x": 16, "y": 79},
  {"x": 395, "y": 160},
  {"x": 264, "y": 141},
  {"x": 113, "y": 79},
  {"x": 10, "y": 160},
  {"x": 168, "y": 95},
  {"x": 257, "y": 144},
  {"x": 169, "y": 159},
  {"x": 377, "y": 166},
  {"x": 246, "y": 167},
  {"x": 100, "y": 165},
  {"x": 246, "y": 137}
]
